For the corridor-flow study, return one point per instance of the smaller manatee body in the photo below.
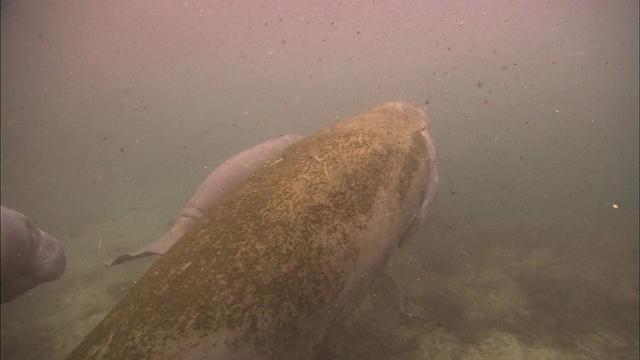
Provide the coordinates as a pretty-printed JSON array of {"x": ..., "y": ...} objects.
[
  {"x": 219, "y": 183},
  {"x": 285, "y": 255},
  {"x": 30, "y": 256}
]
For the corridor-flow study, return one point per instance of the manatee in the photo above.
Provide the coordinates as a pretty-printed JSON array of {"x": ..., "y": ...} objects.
[
  {"x": 219, "y": 183},
  {"x": 288, "y": 253},
  {"x": 30, "y": 256}
]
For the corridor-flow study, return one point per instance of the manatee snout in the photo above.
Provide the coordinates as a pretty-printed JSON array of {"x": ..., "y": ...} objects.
[
  {"x": 49, "y": 260},
  {"x": 30, "y": 256}
]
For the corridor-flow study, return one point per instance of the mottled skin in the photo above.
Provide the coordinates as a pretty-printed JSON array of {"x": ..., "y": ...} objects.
[{"x": 268, "y": 270}]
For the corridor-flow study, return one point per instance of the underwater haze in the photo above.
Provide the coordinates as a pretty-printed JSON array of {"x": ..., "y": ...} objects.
[{"x": 114, "y": 112}]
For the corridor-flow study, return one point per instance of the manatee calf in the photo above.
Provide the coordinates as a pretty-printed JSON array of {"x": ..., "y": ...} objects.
[
  {"x": 30, "y": 256},
  {"x": 219, "y": 183},
  {"x": 281, "y": 258}
]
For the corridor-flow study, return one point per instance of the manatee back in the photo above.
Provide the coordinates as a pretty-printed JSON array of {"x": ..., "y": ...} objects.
[{"x": 277, "y": 261}]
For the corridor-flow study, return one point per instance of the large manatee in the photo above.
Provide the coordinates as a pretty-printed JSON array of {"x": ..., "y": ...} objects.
[
  {"x": 219, "y": 183},
  {"x": 276, "y": 262}
]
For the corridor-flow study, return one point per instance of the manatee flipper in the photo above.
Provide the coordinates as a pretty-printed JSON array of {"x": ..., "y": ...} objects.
[{"x": 220, "y": 182}]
